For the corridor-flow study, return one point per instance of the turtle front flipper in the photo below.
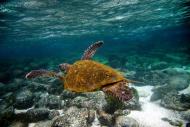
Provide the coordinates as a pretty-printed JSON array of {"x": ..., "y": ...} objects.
[
  {"x": 91, "y": 50},
  {"x": 42, "y": 72},
  {"x": 119, "y": 90}
]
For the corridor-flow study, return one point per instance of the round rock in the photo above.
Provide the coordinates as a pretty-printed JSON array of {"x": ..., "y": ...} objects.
[
  {"x": 124, "y": 121},
  {"x": 24, "y": 100},
  {"x": 73, "y": 117}
]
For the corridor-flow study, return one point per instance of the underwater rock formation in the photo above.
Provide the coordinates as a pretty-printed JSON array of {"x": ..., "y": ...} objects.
[
  {"x": 24, "y": 100},
  {"x": 93, "y": 100},
  {"x": 186, "y": 115},
  {"x": 173, "y": 81},
  {"x": 54, "y": 102},
  {"x": 173, "y": 122},
  {"x": 105, "y": 119},
  {"x": 179, "y": 81},
  {"x": 173, "y": 100},
  {"x": 133, "y": 104},
  {"x": 74, "y": 117},
  {"x": 53, "y": 114},
  {"x": 114, "y": 104},
  {"x": 33, "y": 115},
  {"x": 69, "y": 94},
  {"x": 18, "y": 124},
  {"x": 46, "y": 123},
  {"x": 3, "y": 89},
  {"x": 6, "y": 115},
  {"x": 118, "y": 119},
  {"x": 160, "y": 91},
  {"x": 45, "y": 106},
  {"x": 124, "y": 121}
]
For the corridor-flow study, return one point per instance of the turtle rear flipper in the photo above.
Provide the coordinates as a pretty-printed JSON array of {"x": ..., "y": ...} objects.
[
  {"x": 42, "y": 72},
  {"x": 119, "y": 90},
  {"x": 91, "y": 50}
]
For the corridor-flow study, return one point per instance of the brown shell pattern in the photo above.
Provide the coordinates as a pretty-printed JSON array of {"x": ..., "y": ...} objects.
[{"x": 88, "y": 75}]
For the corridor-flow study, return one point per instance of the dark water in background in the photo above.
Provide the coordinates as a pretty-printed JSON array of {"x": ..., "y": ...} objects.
[{"x": 63, "y": 29}]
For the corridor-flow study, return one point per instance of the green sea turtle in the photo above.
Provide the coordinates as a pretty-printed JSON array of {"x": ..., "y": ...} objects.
[{"x": 86, "y": 75}]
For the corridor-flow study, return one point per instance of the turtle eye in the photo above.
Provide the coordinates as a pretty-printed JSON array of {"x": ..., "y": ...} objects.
[{"x": 107, "y": 75}]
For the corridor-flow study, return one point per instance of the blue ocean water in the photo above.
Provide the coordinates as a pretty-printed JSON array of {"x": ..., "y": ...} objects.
[{"x": 147, "y": 41}]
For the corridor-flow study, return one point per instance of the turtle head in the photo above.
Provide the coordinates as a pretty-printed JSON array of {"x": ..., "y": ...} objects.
[{"x": 64, "y": 67}]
